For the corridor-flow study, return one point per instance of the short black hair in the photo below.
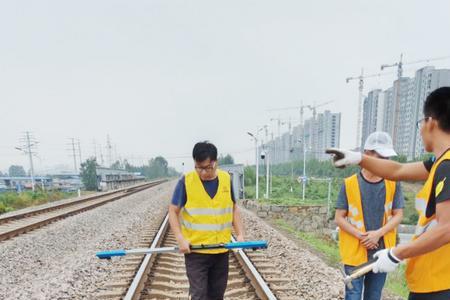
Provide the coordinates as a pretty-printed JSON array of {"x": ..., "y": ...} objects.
[
  {"x": 204, "y": 150},
  {"x": 437, "y": 106}
]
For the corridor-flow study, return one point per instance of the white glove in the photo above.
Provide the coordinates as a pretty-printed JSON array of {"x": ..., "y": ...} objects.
[
  {"x": 386, "y": 262},
  {"x": 343, "y": 158}
]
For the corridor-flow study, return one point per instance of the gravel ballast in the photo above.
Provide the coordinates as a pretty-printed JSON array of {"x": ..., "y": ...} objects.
[
  {"x": 58, "y": 261},
  {"x": 310, "y": 277}
]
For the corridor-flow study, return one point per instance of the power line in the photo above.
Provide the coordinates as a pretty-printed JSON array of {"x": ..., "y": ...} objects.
[{"x": 28, "y": 145}]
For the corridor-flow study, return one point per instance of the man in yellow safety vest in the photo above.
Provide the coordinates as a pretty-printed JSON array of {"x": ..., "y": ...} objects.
[
  {"x": 428, "y": 254},
  {"x": 203, "y": 211},
  {"x": 368, "y": 212}
]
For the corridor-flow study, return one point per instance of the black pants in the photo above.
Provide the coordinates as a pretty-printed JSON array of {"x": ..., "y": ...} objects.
[
  {"x": 442, "y": 295},
  {"x": 207, "y": 274}
]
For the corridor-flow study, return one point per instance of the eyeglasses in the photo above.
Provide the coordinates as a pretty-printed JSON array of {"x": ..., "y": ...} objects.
[
  {"x": 206, "y": 169},
  {"x": 421, "y": 121}
]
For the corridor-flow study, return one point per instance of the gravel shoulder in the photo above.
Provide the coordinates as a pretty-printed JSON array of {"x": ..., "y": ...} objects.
[
  {"x": 58, "y": 261},
  {"x": 310, "y": 277}
]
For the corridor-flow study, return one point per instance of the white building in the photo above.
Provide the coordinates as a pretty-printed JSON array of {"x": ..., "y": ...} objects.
[
  {"x": 427, "y": 80},
  {"x": 388, "y": 110},
  {"x": 319, "y": 134},
  {"x": 373, "y": 114},
  {"x": 406, "y": 118},
  {"x": 328, "y": 133},
  {"x": 397, "y": 109}
]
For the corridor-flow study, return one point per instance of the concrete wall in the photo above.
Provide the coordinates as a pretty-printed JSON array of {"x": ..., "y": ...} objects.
[{"x": 311, "y": 218}]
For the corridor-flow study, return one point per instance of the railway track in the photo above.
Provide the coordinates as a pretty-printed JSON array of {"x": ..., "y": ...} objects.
[
  {"x": 17, "y": 223},
  {"x": 163, "y": 276}
]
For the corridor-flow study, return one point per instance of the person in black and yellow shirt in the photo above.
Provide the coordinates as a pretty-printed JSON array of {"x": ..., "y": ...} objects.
[
  {"x": 428, "y": 254},
  {"x": 202, "y": 212}
]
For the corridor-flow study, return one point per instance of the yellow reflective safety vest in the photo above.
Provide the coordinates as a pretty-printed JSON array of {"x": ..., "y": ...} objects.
[
  {"x": 205, "y": 220},
  {"x": 429, "y": 272},
  {"x": 352, "y": 251}
]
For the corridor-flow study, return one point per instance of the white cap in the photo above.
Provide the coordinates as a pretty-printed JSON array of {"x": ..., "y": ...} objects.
[{"x": 381, "y": 143}]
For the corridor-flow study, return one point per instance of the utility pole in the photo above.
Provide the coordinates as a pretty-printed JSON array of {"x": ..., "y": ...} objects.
[
  {"x": 255, "y": 138},
  {"x": 304, "y": 171},
  {"x": 95, "y": 148},
  {"x": 109, "y": 150},
  {"x": 27, "y": 148},
  {"x": 257, "y": 168},
  {"x": 267, "y": 174},
  {"x": 74, "y": 155},
  {"x": 116, "y": 157},
  {"x": 79, "y": 151},
  {"x": 278, "y": 145},
  {"x": 102, "y": 160},
  {"x": 329, "y": 198}
]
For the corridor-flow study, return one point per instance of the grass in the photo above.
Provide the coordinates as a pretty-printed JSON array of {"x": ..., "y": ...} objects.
[
  {"x": 286, "y": 191},
  {"x": 329, "y": 250},
  {"x": 11, "y": 201},
  {"x": 326, "y": 247},
  {"x": 396, "y": 282}
]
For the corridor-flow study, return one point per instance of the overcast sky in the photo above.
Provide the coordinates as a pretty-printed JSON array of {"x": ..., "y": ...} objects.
[{"x": 157, "y": 76}]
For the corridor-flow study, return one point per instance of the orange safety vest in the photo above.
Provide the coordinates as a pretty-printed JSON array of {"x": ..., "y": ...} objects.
[
  {"x": 429, "y": 272},
  {"x": 205, "y": 220},
  {"x": 353, "y": 253}
]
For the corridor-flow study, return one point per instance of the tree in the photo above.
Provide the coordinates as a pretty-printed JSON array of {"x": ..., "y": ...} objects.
[
  {"x": 16, "y": 171},
  {"x": 89, "y": 174},
  {"x": 226, "y": 160},
  {"x": 117, "y": 165},
  {"x": 249, "y": 175},
  {"x": 158, "y": 167}
]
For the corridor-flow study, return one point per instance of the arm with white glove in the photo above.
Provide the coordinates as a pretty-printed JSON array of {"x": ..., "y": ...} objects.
[
  {"x": 384, "y": 168},
  {"x": 386, "y": 261},
  {"x": 343, "y": 158}
]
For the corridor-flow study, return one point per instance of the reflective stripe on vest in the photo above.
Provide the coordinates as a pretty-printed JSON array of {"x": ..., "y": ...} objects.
[
  {"x": 352, "y": 252},
  {"x": 206, "y": 227},
  {"x": 429, "y": 272},
  {"x": 205, "y": 220},
  {"x": 208, "y": 211}
]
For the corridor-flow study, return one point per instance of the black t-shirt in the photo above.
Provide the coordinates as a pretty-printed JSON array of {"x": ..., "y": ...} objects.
[{"x": 440, "y": 190}]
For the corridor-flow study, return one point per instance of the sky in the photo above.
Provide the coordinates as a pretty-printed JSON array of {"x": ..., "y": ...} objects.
[{"x": 158, "y": 76}]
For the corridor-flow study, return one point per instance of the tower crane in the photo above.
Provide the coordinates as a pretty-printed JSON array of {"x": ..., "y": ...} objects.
[
  {"x": 360, "y": 79},
  {"x": 399, "y": 66},
  {"x": 400, "y": 63}
]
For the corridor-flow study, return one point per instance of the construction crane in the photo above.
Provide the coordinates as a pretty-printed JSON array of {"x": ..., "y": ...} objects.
[
  {"x": 400, "y": 63},
  {"x": 399, "y": 66},
  {"x": 301, "y": 108},
  {"x": 313, "y": 108},
  {"x": 361, "y": 78}
]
